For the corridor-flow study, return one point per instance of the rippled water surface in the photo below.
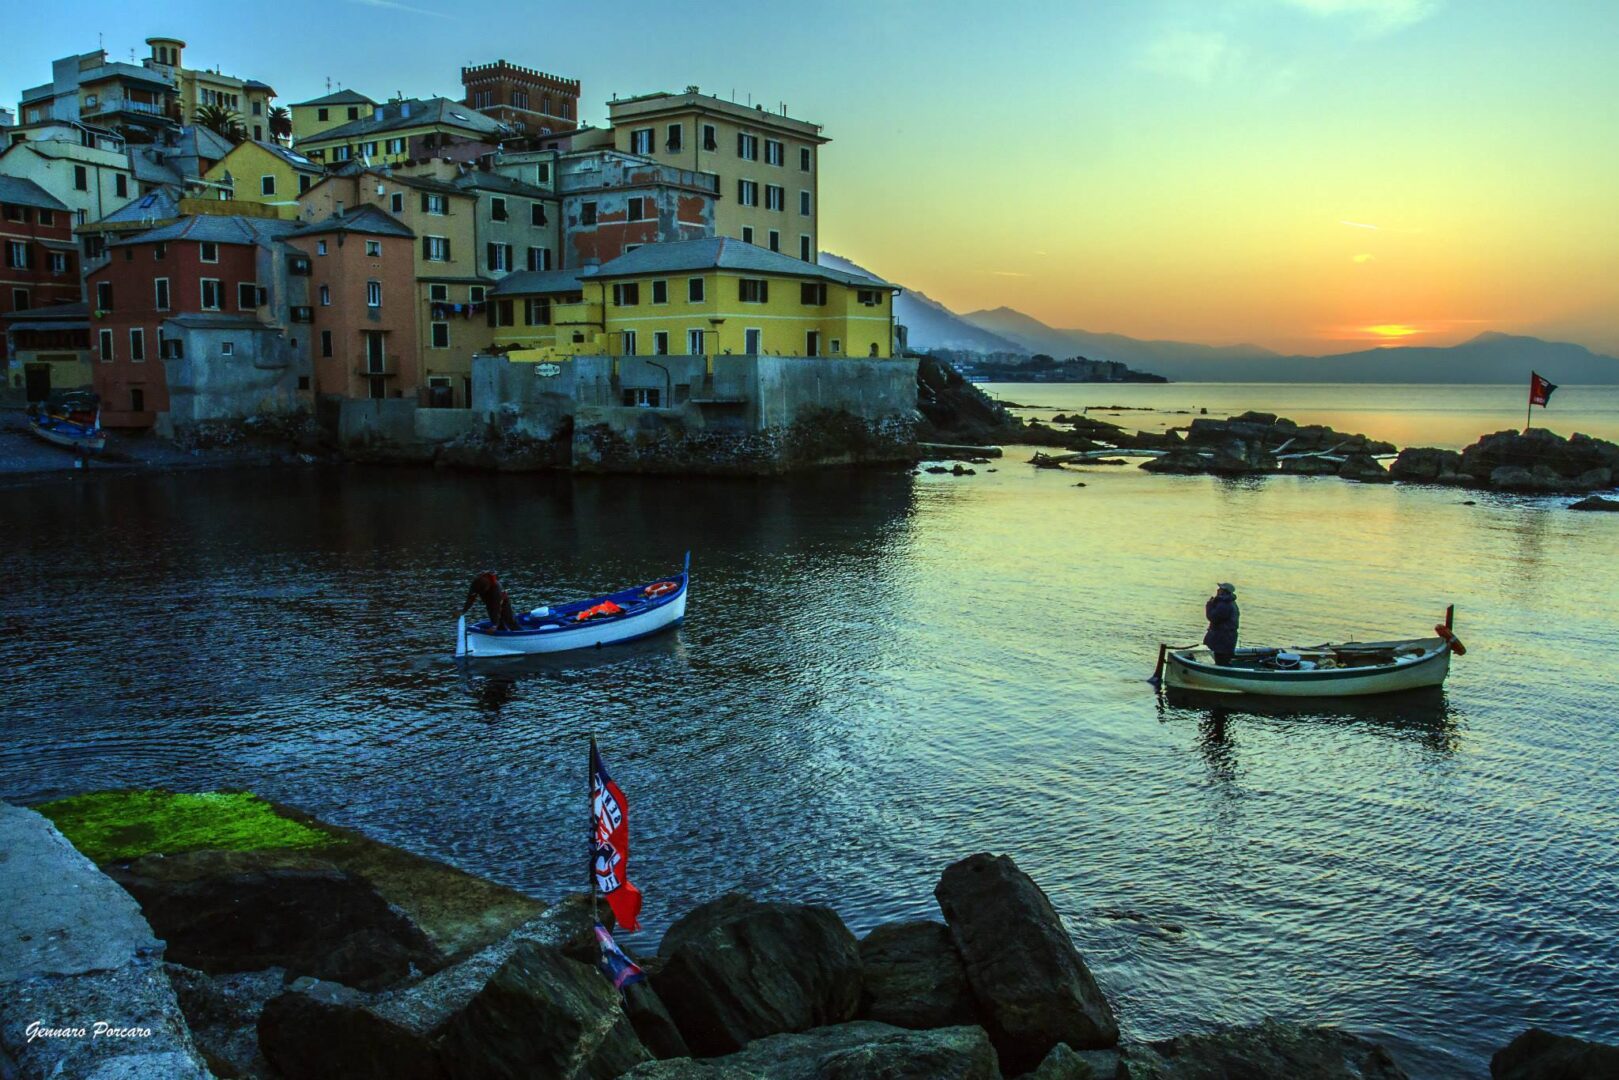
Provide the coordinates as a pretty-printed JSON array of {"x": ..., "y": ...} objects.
[{"x": 880, "y": 674}]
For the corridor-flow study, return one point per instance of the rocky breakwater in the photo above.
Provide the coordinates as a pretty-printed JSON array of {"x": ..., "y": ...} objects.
[
  {"x": 1536, "y": 460},
  {"x": 1257, "y": 442}
]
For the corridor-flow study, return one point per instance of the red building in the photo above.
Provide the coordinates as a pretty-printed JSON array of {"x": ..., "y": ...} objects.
[
  {"x": 529, "y": 101},
  {"x": 39, "y": 263},
  {"x": 218, "y": 276}
]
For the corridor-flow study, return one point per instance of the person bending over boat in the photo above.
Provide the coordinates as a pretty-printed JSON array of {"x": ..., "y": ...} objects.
[
  {"x": 486, "y": 587},
  {"x": 1221, "y": 611}
]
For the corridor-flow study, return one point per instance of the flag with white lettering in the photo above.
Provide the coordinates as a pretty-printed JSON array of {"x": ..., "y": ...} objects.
[
  {"x": 619, "y": 968},
  {"x": 610, "y": 844},
  {"x": 1540, "y": 389}
]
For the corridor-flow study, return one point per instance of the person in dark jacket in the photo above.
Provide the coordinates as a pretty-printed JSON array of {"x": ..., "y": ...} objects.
[
  {"x": 1221, "y": 611},
  {"x": 486, "y": 587}
]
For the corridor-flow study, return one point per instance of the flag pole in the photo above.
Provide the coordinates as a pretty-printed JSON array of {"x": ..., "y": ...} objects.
[{"x": 590, "y": 808}]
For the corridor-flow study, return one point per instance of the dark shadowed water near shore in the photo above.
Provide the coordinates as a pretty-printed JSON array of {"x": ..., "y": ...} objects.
[{"x": 883, "y": 673}]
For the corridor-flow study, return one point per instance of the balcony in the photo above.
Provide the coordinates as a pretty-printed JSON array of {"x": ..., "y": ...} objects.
[
  {"x": 581, "y": 314},
  {"x": 107, "y": 106},
  {"x": 372, "y": 368}
]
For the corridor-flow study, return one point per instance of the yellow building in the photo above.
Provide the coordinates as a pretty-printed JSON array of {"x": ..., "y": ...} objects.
[
  {"x": 267, "y": 174},
  {"x": 708, "y": 297},
  {"x": 408, "y": 129},
  {"x": 198, "y": 88},
  {"x": 767, "y": 162},
  {"x": 320, "y": 115}
]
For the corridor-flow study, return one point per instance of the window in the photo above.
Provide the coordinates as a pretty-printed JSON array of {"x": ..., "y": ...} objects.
[
  {"x": 812, "y": 343},
  {"x": 747, "y": 193},
  {"x": 836, "y": 346},
  {"x": 775, "y": 197},
  {"x": 775, "y": 154},
  {"x": 542, "y": 172},
  {"x": 694, "y": 342},
  {"x": 47, "y": 217},
  {"x": 137, "y": 399},
  {"x": 209, "y": 251},
  {"x": 804, "y": 203},
  {"x": 396, "y": 146},
  {"x": 537, "y": 311},
  {"x": 500, "y": 313},
  {"x": 500, "y": 257},
  {"x": 104, "y": 296},
  {"x": 367, "y": 149},
  {"x": 435, "y": 204},
  {"x": 804, "y": 251},
  {"x": 396, "y": 202},
  {"x": 137, "y": 345},
  {"x": 436, "y": 248},
  {"x": 373, "y": 248},
  {"x": 660, "y": 292},
  {"x": 120, "y": 185},
  {"x": 587, "y": 213},
  {"x": 629, "y": 343},
  {"x": 775, "y": 240},
  {"x": 248, "y": 295},
  {"x": 747, "y": 146},
  {"x": 106, "y": 346},
  {"x": 303, "y": 382},
  {"x": 323, "y": 114},
  {"x": 812, "y": 293},
  {"x": 258, "y": 108},
  {"x": 711, "y": 138},
  {"x": 753, "y": 290},
  {"x": 804, "y": 159},
  {"x": 325, "y": 296},
  {"x": 303, "y": 314},
  {"x": 497, "y": 209},
  {"x": 17, "y": 213},
  {"x": 438, "y": 293},
  {"x": 539, "y": 258},
  {"x": 210, "y": 294},
  {"x": 870, "y": 297},
  {"x": 751, "y": 338},
  {"x": 266, "y": 185},
  {"x": 641, "y": 141},
  {"x": 441, "y": 335},
  {"x": 227, "y": 348},
  {"x": 58, "y": 262},
  {"x": 81, "y": 178},
  {"x": 747, "y": 234},
  {"x": 475, "y": 293},
  {"x": 341, "y": 153},
  {"x": 694, "y": 290},
  {"x": 18, "y": 257},
  {"x": 626, "y": 294},
  {"x": 672, "y": 141},
  {"x": 320, "y": 247},
  {"x": 660, "y": 343},
  {"x": 642, "y": 397},
  {"x": 373, "y": 294},
  {"x": 638, "y": 209},
  {"x": 326, "y": 343},
  {"x": 536, "y": 214}
]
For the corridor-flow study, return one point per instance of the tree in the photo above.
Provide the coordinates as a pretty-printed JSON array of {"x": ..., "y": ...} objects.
[
  {"x": 281, "y": 124},
  {"x": 222, "y": 121}
]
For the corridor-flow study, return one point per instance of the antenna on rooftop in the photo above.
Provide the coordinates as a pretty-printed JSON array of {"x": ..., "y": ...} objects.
[{"x": 328, "y": 84}]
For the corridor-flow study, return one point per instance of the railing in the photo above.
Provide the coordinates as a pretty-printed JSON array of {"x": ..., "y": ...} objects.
[
  {"x": 384, "y": 368},
  {"x": 111, "y": 105}
]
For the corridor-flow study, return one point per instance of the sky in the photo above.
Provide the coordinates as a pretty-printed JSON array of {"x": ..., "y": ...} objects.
[{"x": 1306, "y": 175}]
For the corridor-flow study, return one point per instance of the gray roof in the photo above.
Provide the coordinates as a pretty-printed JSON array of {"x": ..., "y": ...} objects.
[
  {"x": 538, "y": 282},
  {"x": 160, "y": 205},
  {"x": 19, "y": 191},
  {"x": 725, "y": 253},
  {"x": 480, "y": 180},
  {"x": 338, "y": 97},
  {"x": 218, "y": 229},
  {"x": 208, "y": 320},
  {"x": 370, "y": 220},
  {"x": 204, "y": 142},
  {"x": 388, "y": 117},
  {"x": 149, "y": 166},
  {"x": 291, "y": 157},
  {"x": 55, "y": 317}
]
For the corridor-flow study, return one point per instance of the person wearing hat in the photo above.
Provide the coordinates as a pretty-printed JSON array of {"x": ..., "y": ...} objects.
[{"x": 1221, "y": 611}]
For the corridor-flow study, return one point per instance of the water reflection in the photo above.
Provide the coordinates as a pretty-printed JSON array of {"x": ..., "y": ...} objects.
[{"x": 1424, "y": 717}]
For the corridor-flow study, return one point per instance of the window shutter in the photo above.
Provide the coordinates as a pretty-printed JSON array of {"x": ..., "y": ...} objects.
[
  {"x": 489, "y": 314},
  {"x": 739, "y": 144},
  {"x": 427, "y": 249},
  {"x": 764, "y": 290},
  {"x": 446, "y": 248},
  {"x": 491, "y": 256},
  {"x": 424, "y": 202}
]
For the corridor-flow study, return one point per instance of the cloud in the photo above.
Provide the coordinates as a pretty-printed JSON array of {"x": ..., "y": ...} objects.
[
  {"x": 1357, "y": 224},
  {"x": 1373, "y": 16},
  {"x": 1363, "y": 257},
  {"x": 394, "y": 5},
  {"x": 1008, "y": 273},
  {"x": 1198, "y": 55}
]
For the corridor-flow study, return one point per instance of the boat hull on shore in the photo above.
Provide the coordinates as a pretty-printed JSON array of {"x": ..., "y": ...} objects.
[
  {"x": 644, "y": 610},
  {"x": 1349, "y": 670}
]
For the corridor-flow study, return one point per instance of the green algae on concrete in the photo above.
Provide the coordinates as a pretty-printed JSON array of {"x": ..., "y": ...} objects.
[{"x": 114, "y": 826}]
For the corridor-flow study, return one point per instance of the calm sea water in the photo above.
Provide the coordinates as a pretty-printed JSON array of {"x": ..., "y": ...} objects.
[{"x": 880, "y": 674}]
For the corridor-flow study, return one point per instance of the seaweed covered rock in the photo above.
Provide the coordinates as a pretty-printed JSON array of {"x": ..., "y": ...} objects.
[
  {"x": 1032, "y": 987},
  {"x": 912, "y": 977},
  {"x": 862, "y": 1050},
  {"x": 1266, "y": 1049},
  {"x": 736, "y": 969},
  {"x": 1541, "y": 1055}
]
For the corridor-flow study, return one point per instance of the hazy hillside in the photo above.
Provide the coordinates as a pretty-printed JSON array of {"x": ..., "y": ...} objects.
[
  {"x": 930, "y": 323},
  {"x": 1036, "y": 335}
]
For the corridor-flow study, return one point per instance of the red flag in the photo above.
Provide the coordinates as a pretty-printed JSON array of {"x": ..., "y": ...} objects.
[
  {"x": 610, "y": 844},
  {"x": 1540, "y": 390}
]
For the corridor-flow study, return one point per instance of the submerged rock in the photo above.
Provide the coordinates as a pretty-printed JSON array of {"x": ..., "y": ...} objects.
[
  {"x": 1365, "y": 469},
  {"x": 736, "y": 969},
  {"x": 912, "y": 977},
  {"x": 1267, "y": 1049},
  {"x": 1310, "y": 466},
  {"x": 1031, "y": 986},
  {"x": 862, "y": 1050},
  {"x": 1595, "y": 502},
  {"x": 1541, "y": 1055}
]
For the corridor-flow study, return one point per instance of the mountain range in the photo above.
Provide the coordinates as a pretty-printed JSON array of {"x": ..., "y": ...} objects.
[{"x": 1490, "y": 357}]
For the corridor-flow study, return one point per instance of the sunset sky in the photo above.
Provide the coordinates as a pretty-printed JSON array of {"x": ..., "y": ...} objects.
[{"x": 1306, "y": 175}]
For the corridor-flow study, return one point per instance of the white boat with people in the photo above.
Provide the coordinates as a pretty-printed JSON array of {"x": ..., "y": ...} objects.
[{"x": 1349, "y": 669}]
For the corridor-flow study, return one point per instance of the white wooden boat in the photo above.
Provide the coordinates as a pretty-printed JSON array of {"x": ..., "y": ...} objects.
[
  {"x": 626, "y": 615},
  {"x": 1351, "y": 669}
]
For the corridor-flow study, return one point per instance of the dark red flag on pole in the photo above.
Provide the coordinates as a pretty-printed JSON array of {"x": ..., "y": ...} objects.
[
  {"x": 610, "y": 845},
  {"x": 1540, "y": 390}
]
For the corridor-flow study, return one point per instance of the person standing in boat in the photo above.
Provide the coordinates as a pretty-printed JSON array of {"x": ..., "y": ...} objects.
[
  {"x": 1221, "y": 611},
  {"x": 486, "y": 587}
]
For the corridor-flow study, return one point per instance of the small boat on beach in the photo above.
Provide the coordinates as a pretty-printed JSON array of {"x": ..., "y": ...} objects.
[
  {"x": 71, "y": 420},
  {"x": 1343, "y": 670},
  {"x": 626, "y": 615}
]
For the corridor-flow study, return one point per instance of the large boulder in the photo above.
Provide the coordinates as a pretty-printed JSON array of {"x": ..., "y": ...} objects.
[
  {"x": 1428, "y": 464},
  {"x": 222, "y": 1012},
  {"x": 1568, "y": 458},
  {"x": 1309, "y": 466},
  {"x": 1266, "y": 1049},
  {"x": 1541, "y": 1055},
  {"x": 1595, "y": 502},
  {"x": 1031, "y": 985},
  {"x": 736, "y": 969},
  {"x": 223, "y": 911},
  {"x": 912, "y": 977},
  {"x": 653, "y": 1025},
  {"x": 862, "y": 1050},
  {"x": 1364, "y": 468},
  {"x": 1539, "y": 478},
  {"x": 1065, "y": 1063}
]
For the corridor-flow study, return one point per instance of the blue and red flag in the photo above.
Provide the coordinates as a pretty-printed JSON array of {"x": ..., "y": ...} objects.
[
  {"x": 610, "y": 844},
  {"x": 1540, "y": 389},
  {"x": 619, "y": 969}
]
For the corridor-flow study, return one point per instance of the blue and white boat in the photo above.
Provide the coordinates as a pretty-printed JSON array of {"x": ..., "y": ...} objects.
[
  {"x": 626, "y": 615},
  {"x": 71, "y": 420}
]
